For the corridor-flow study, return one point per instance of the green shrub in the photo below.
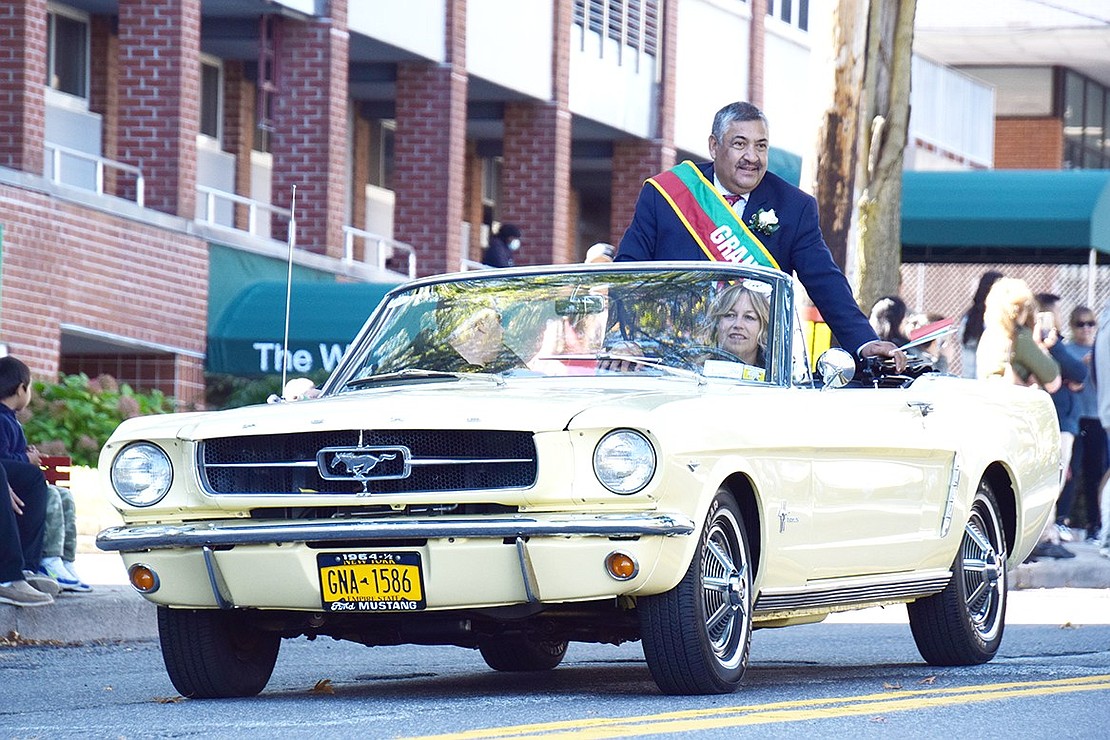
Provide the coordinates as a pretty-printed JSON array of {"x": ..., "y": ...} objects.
[{"x": 76, "y": 416}]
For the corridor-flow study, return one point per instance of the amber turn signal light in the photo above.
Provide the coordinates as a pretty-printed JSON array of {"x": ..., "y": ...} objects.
[
  {"x": 621, "y": 565},
  {"x": 143, "y": 579}
]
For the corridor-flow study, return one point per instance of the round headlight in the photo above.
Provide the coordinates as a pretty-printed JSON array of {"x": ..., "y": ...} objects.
[
  {"x": 142, "y": 474},
  {"x": 624, "y": 461}
]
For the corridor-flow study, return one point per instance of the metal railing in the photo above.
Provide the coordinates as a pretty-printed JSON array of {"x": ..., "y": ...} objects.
[
  {"x": 58, "y": 154},
  {"x": 212, "y": 197},
  {"x": 377, "y": 249},
  {"x": 466, "y": 264}
]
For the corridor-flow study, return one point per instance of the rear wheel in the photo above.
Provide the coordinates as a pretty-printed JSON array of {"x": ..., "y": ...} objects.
[
  {"x": 521, "y": 653},
  {"x": 697, "y": 635},
  {"x": 963, "y": 624},
  {"x": 215, "y": 654}
]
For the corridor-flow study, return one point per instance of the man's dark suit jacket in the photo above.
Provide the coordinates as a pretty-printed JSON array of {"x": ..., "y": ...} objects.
[{"x": 656, "y": 233}]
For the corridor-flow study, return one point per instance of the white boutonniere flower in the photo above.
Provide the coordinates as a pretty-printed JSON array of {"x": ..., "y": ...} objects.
[{"x": 764, "y": 222}]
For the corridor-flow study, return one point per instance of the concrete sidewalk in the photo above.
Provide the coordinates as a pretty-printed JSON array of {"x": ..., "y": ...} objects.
[{"x": 1059, "y": 591}]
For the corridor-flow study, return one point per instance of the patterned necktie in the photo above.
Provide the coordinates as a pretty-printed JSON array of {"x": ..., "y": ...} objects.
[{"x": 732, "y": 199}]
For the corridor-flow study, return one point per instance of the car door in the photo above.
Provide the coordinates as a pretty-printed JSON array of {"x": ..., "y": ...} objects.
[{"x": 879, "y": 472}]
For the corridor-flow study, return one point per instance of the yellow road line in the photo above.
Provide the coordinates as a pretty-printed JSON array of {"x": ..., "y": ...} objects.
[{"x": 787, "y": 711}]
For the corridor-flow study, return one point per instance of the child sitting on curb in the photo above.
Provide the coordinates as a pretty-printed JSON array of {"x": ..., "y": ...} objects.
[{"x": 59, "y": 544}]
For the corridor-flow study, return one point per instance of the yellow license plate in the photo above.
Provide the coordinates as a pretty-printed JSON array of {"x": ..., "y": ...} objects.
[{"x": 371, "y": 581}]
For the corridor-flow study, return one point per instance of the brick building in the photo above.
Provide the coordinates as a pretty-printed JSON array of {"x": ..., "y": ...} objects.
[{"x": 149, "y": 151}]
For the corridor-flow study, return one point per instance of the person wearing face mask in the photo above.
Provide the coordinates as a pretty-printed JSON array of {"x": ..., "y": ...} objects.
[
  {"x": 733, "y": 210},
  {"x": 502, "y": 246}
]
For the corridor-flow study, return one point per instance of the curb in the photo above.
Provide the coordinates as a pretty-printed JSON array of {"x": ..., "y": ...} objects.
[
  {"x": 109, "y": 613},
  {"x": 1087, "y": 569}
]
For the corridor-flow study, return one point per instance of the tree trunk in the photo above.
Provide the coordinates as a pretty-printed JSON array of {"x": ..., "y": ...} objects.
[
  {"x": 834, "y": 184},
  {"x": 858, "y": 183},
  {"x": 885, "y": 113}
]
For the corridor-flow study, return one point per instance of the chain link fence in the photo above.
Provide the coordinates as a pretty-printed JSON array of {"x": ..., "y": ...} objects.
[{"x": 947, "y": 289}]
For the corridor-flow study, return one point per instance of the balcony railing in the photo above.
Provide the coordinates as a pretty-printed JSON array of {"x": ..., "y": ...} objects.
[
  {"x": 213, "y": 198},
  {"x": 377, "y": 249},
  {"x": 58, "y": 155}
]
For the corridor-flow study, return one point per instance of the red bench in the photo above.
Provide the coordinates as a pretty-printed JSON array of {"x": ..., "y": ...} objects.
[{"x": 56, "y": 469}]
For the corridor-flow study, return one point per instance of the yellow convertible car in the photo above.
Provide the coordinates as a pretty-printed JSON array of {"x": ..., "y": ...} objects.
[{"x": 514, "y": 460}]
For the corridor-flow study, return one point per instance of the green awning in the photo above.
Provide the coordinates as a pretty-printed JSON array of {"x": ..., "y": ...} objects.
[
  {"x": 1055, "y": 216},
  {"x": 247, "y": 337}
]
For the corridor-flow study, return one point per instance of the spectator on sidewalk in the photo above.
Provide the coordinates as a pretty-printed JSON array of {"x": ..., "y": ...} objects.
[
  {"x": 22, "y": 464},
  {"x": 971, "y": 326},
  {"x": 1088, "y": 461},
  {"x": 1011, "y": 350},
  {"x": 502, "y": 246},
  {"x": 887, "y": 316},
  {"x": 1101, "y": 368},
  {"x": 1074, "y": 374},
  {"x": 20, "y": 534}
]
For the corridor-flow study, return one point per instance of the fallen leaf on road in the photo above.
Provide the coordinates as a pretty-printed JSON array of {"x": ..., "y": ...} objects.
[{"x": 323, "y": 686}]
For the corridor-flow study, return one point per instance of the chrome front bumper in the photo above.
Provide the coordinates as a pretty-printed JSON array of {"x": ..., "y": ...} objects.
[{"x": 224, "y": 533}]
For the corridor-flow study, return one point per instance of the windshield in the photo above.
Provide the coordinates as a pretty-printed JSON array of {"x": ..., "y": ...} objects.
[{"x": 724, "y": 322}]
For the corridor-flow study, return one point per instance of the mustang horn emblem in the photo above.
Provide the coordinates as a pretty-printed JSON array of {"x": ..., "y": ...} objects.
[
  {"x": 359, "y": 464},
  {"x": 364, "y": 464}
]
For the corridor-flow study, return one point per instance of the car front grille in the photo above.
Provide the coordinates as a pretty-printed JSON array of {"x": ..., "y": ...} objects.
[{"x": 439, "y": 460}]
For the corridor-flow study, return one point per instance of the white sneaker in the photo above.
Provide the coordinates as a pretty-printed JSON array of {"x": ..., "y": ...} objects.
[
  {"x": 54, "y": 568},
  {"x": 81, "y": 586},
  {"x": 20, "y": 593},
  {"x": 1065, "y": 533}
]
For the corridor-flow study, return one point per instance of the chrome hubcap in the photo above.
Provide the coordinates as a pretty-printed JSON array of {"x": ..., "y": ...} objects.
[{"x": 726, "y": 591}]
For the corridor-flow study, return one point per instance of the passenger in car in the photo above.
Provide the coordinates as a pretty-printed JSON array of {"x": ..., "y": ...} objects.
[
  {"x": 737, "y": 323},
  {"x": 480, "y": 340}
]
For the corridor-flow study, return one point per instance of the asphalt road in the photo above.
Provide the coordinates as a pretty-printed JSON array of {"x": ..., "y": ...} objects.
[{"x": 856, "y": 674}]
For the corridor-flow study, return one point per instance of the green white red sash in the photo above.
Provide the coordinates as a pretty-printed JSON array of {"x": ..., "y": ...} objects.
[{"x": 715, "y": 226}]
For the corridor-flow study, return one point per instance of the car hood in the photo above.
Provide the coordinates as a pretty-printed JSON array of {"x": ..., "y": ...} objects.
[{"x": 469, "y": 404}]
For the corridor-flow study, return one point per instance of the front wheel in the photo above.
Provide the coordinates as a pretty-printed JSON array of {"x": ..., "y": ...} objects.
[
  {"x": 696, "y": 636},
  {"x": 963, "y": 624},
  {"x": 521, "y": 653},
  {"x": 215, "y": 654}
]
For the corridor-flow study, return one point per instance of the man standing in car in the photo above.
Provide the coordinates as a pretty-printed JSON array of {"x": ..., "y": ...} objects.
[{"x": 732, "y": 209}]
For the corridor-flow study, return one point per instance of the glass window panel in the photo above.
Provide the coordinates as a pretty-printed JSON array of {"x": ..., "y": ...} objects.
[
  {"x": 1105, "y": 126},
  {"x": 1093, "y": 120},
  {"x": 210, "y": 100},
  {"x": 1073, "y": 107},
  {"x": 69, "y": 55},
  {"x": 803, "y": 14}
]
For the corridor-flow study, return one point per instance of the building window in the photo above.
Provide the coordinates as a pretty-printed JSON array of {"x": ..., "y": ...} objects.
[
  {"x": 1086, "y": 107},
  {"x": 211, "y": 97},
  {"x": 790, "y": 12},
  {"x": 67, "y": 53},
  {"x": 263, "y": 124},
  {"x": 633, "y": 23},
  {"x": 382, "y": 134}
]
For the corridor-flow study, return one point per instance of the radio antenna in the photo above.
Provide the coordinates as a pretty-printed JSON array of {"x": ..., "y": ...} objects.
[{"x": 285, "y": 356}]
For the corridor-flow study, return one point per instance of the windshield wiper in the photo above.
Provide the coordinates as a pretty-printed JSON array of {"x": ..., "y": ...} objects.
[{"x": 416, "y": 373}]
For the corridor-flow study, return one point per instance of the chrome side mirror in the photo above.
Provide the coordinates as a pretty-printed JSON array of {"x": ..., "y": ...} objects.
[{"x": 836, "y": 367}]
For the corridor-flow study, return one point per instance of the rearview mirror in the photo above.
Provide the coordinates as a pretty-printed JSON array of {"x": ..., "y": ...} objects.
[{"x": 580, "y": 305}]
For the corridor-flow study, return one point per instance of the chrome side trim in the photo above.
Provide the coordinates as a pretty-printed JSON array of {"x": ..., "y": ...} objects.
[
  {"x": 950, "y": 501},
  {"x": 229, "y": 533},
  {"x": 869, "y": 592}
]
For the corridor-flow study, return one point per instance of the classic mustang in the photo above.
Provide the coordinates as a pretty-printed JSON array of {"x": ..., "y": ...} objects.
[{"x": 512, "y": 460}]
